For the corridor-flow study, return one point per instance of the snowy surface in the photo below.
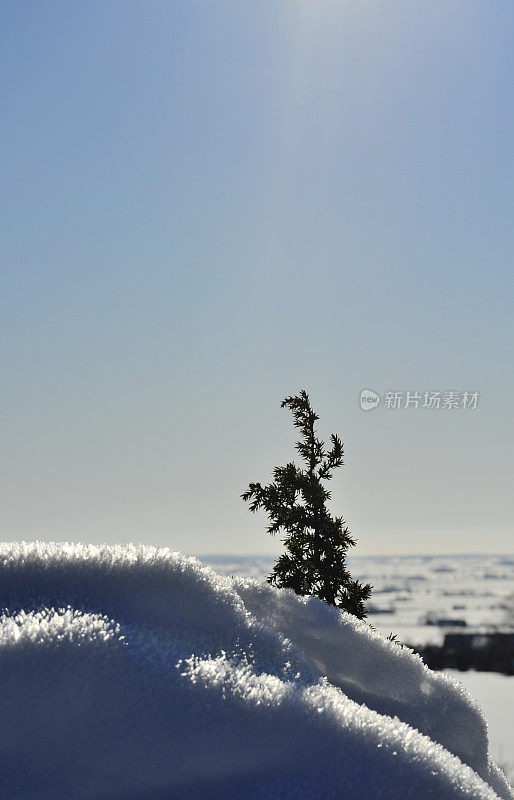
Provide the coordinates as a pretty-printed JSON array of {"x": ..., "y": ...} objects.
[
  {"x": 131, "y": 673},
  {"x": 495, "y": 695},
  {"x": 407, "y": 589},
  {"x": 474, "y": 588}
]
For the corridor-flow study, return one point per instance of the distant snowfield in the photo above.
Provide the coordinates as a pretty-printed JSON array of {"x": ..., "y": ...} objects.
[
  {"x": 406, "y": 589},
  {"x": 131, "y": 673}
]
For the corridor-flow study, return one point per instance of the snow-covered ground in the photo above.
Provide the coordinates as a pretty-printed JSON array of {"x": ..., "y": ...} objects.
[
  {"x": 131, "y": 673},
  {"x": 407, "y": 589},
  {"x": 495, "y": 696}
]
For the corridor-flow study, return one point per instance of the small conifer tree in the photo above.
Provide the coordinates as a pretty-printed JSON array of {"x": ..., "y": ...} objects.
[{"x": 316, "y": 543}]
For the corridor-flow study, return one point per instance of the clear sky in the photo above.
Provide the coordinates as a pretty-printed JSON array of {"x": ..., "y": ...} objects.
[{"x": 207, "y": 206}]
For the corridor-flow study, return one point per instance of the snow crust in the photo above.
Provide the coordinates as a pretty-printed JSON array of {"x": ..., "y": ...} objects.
[{"x": 137, "y": 673}]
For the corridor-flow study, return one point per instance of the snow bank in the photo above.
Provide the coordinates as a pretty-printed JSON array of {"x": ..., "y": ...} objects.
[{"x": 131, "y": 673}]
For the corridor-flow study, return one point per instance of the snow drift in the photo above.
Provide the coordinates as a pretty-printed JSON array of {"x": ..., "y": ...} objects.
[{"x": 135, "y": 673}]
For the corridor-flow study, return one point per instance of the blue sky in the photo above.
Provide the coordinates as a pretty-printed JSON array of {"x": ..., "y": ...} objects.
[{"x": 208, "y": 206}]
